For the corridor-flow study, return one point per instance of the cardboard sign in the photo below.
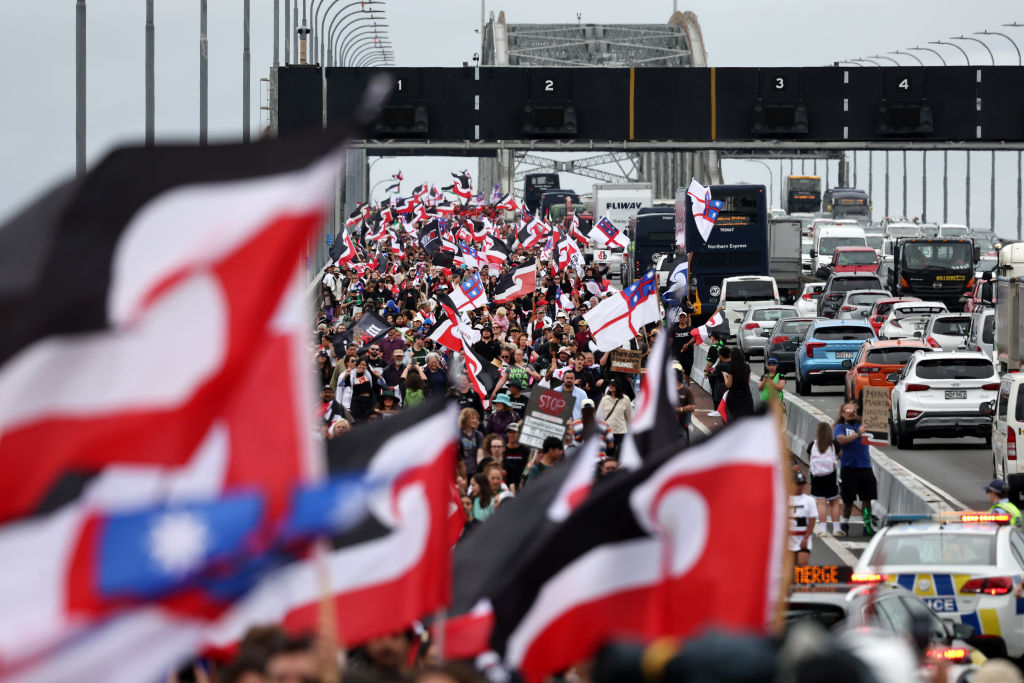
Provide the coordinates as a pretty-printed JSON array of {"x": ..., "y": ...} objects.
[
  {"x": 547, "y": 414},
  {"x": 625, "y": 360},
  {"x": 875, "y": 415}
]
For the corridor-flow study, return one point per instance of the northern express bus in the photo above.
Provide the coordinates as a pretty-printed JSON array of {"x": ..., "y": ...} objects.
[{"x": 737, "y": 245}]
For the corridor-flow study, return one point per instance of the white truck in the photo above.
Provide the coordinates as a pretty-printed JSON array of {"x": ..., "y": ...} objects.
[
  {"x": 619, "y": 202},
  {"x": 784, "y": 262},
  {"x": 1009, "y": 337}
]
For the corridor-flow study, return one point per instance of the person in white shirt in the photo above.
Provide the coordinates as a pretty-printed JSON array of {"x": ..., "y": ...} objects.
[{"x": 803, "y": 513}]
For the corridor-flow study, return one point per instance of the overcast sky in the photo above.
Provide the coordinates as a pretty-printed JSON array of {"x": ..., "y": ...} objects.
[{"x": 37, "y": 143}]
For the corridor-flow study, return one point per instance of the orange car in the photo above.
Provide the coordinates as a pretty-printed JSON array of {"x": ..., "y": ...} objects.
[{"x": 875, "y": 360}]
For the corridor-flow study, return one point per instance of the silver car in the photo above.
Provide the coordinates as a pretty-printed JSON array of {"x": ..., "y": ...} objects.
[
  {"x": 948, "y": 331},
  {"x": 857, "y": 303},
  {"x": 757, "y": 324},
  {"x": 982, "y": 334},
  {"x": 807, "y": 304}
]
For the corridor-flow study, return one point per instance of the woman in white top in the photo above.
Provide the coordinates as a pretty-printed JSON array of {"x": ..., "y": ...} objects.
[
  {"x": 825, "y": 478},
  {"x": 617, "y": 411}
]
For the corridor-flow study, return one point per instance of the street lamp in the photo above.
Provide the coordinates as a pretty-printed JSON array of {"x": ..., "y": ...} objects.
[
  {"x": 376, "y": 61},
  {"x": 342, "y": 27},
  {"x": 884, "y": 57},
  {"x": 982, "y": 43},
  {"x": 323, "y": 31},
  {"x": 914, "y": 57},
  {"x": 366, "y": 57},
  {"x": 850, "y": 63},
  {"x": 1020, "y": 198},
  {"x": 362, "y": 48},
  {"x": 865, "y": 59}
]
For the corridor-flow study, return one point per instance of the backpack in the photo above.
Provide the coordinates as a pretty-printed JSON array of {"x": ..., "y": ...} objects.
[{"x": 822, "y": 464}]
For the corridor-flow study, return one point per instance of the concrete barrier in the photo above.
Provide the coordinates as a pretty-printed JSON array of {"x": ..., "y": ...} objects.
[{"x": 899, "y": 490}]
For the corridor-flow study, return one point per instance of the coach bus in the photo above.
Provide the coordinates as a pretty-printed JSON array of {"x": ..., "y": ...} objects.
[
  {"x": 737, "y": 245},
  {"x": 802, "y": 194},
  {"x": 652, "y": 231}
]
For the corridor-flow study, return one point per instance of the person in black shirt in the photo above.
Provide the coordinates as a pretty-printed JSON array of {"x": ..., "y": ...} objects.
[
  {"x": 518, "y": 398},
  {"x": 487, "y": 348},
  {"x": 516, "y": 456},
  {"x": 682, "y": 344}
]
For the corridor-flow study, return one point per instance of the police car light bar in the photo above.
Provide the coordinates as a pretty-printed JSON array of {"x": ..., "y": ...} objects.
[
  {"x": 867, "y": 577},
  {"x": 997, "y": 517},
  {"x": 965, "y": 516},
  {"x": 949, "y": 654}
]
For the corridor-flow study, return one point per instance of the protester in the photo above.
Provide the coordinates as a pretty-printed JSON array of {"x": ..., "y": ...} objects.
[
  {"x": 802, "y": 516},
  {"x": 772, "y": 383},
  {"x": 736, "y": 377},
  {"x": 821, "y": 456},
  {"x": 616, "y": 410},
  {"x": 551, "y": 453},
  {"x": 857, "y": 479}
]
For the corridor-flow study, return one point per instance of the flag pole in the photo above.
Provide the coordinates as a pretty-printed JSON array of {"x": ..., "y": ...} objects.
[
  {"x": 786, "y": 576},
  {"x": 327, "y": 629}
]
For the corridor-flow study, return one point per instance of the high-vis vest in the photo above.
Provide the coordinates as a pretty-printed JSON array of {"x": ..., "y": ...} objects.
[{"x": 1007, "y": 506}]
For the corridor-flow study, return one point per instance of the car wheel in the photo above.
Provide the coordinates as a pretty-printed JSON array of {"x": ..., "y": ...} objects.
[
  {"x": 802, "y": 386},
  {"x": 904, "y": 440}
]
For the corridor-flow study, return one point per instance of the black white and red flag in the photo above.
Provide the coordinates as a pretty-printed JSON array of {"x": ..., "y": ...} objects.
[
  {"x": 165, "y": 241},
  {"x": 392, "y": 569},
  {"x": 419, "y": 213},
  {"x": 483, "y": 375},
  {"x": 407, "y": 205},
  {"x": 532, "y": 231},
  {"x": 516, "y": 283},
  {"x": 421, "y": 191},
  {"x": 430, "y": 237},
  {"x": 525, "y": 522},
  {"x": 646, "y": 542},
  {"x": 462, "y": 187},
  {"x": 508, "y": 203},
  {"x": 654, "y": 427},
  {"x": 495, "y": 251},
  {"x": 343, "y": 250},
  {"x": 444, "y": 208},
  {"x": 356, "y": 217}
]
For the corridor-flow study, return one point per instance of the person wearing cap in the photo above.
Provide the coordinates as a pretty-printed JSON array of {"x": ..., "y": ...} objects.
[
  {"x": 392, "y": 372},
  {"x": 516, "y": 456},
  {"x": 487, "y": 348},
  {"x": 772, "y": 382},
  {"x": 803, "y": 513},
  {"x": 998, "y": 492},
  {"x": 501, "y": 415}
]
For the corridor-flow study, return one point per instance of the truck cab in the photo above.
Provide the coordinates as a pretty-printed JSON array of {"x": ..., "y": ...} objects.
[
  {"x": 828, "y": 237},
  {"x": 940, "y": 269}
]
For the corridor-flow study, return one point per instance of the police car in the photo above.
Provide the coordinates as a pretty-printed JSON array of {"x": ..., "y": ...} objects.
[{"x": 963, "y": 565}]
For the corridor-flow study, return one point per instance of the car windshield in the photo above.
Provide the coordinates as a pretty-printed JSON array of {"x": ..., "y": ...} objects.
[
  {"x": 848, "y": 284},
  {"x": 986, "y": 263},
  {"x": 762, "y": 314},
  {"x": 824, "y": 614},
  {"x": 959, "y": 325},
  {"x": 905, "y": 311},
  {"x": 843, "y": 333},
  {"x": 794, "y": 326},
  {"x": 935, "y": 548},
  {"x": 865, "y": 299},
  {"x": 827, "y": 245},
  {"x": 857, "y": 258},
  {"x": 938, "y": 256},
  {"x": 875, "y": 241},
  {"x": 955, "y": 368},
  {"x": 894, "y": 356},
  {"x": 749, "y": 290}
]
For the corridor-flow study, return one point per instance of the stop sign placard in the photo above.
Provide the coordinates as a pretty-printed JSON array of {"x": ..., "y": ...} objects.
[{"x": 551, "y": 402}]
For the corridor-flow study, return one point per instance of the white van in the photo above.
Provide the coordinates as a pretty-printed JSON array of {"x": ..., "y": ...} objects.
[
  {"x": 738, "y": 293},
  {"x": 903, "y": 229},
  {"x": 1008, "y": 426},
  {"x": 953, "y": 231},
  {"x": 828, "y": 237}
]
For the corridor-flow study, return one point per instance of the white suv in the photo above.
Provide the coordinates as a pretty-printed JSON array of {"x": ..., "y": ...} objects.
[{"x": 940, "y": 394}]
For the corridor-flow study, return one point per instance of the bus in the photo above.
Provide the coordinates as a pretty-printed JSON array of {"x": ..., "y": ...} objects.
[
  {"x": 651, "y": 232},
  {"x": 536, "y": 184},
  {"x": 847, "y": 202},
  {"x": 802, "y": 193},
  {"x": 737, "y": 245}
]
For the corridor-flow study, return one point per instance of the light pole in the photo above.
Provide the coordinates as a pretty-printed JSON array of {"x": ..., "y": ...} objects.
[
  {"x": 1020, "y": 199},
  {"x": 369, "y": 36},
  {"x": 150, "y": 79},
  {"x": 771, "y": 184},
  {"x": 924, "y": 155},
  {"x": 204, "y": 81},
  {"x": 326, "y": 31},
  {"x": 373, "y": 60},
  {"x": 80, "y": 88},
  {"x": 870, "y": 61},
  {"x": 967, "y": 179},
  {"x": 366, "y": 51},
  {"x": 992, "y": 189},
  {"x": 889, "y": 58},
  {"x": 945, "y": 153},
  {"x": 287, "y": 32}
]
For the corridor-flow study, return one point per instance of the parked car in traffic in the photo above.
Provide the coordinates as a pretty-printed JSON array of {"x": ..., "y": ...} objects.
[
  {"x": 875, "y": 361},
  {"x": 857, "y": 304},
  {"x": 838, "y": 284},
  {"x": 850, "y": 260},
  {"x": 881, "y": 309},
  {"x": 783, "y": 340},
  {"x": 908, "y": 319},
  {"x": 807, "y": 302},
  {"x": 940, "y": 394},
  {"x": 947, "y": 331},
  {"x": 757, "y": 324},
  {"x": 819, "y": 358},
  {"x": 1007, "y": 429},
  {"x": 982, "y": 334}
]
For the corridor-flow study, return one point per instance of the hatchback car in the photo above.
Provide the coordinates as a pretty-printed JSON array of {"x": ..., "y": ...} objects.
[
  {"x": 881, "y": 309},
  {"x": 836, "y": 287},
  {"x": 947, "y": 331},
  {"x": 857, "y": 304},
  {"x": 807, "y": 302},
  {"x": 819, "y": 358},
  {"x": 962, "y": 567},
  {"x": 891, "y": 608},
  {"x": 783, "y": 340},
  {"x": 757, "y": 324},
  {"x": 941, "y": 394},
  {"x": 906, "y": 320},
  {"x": 875, "y": 361}
]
